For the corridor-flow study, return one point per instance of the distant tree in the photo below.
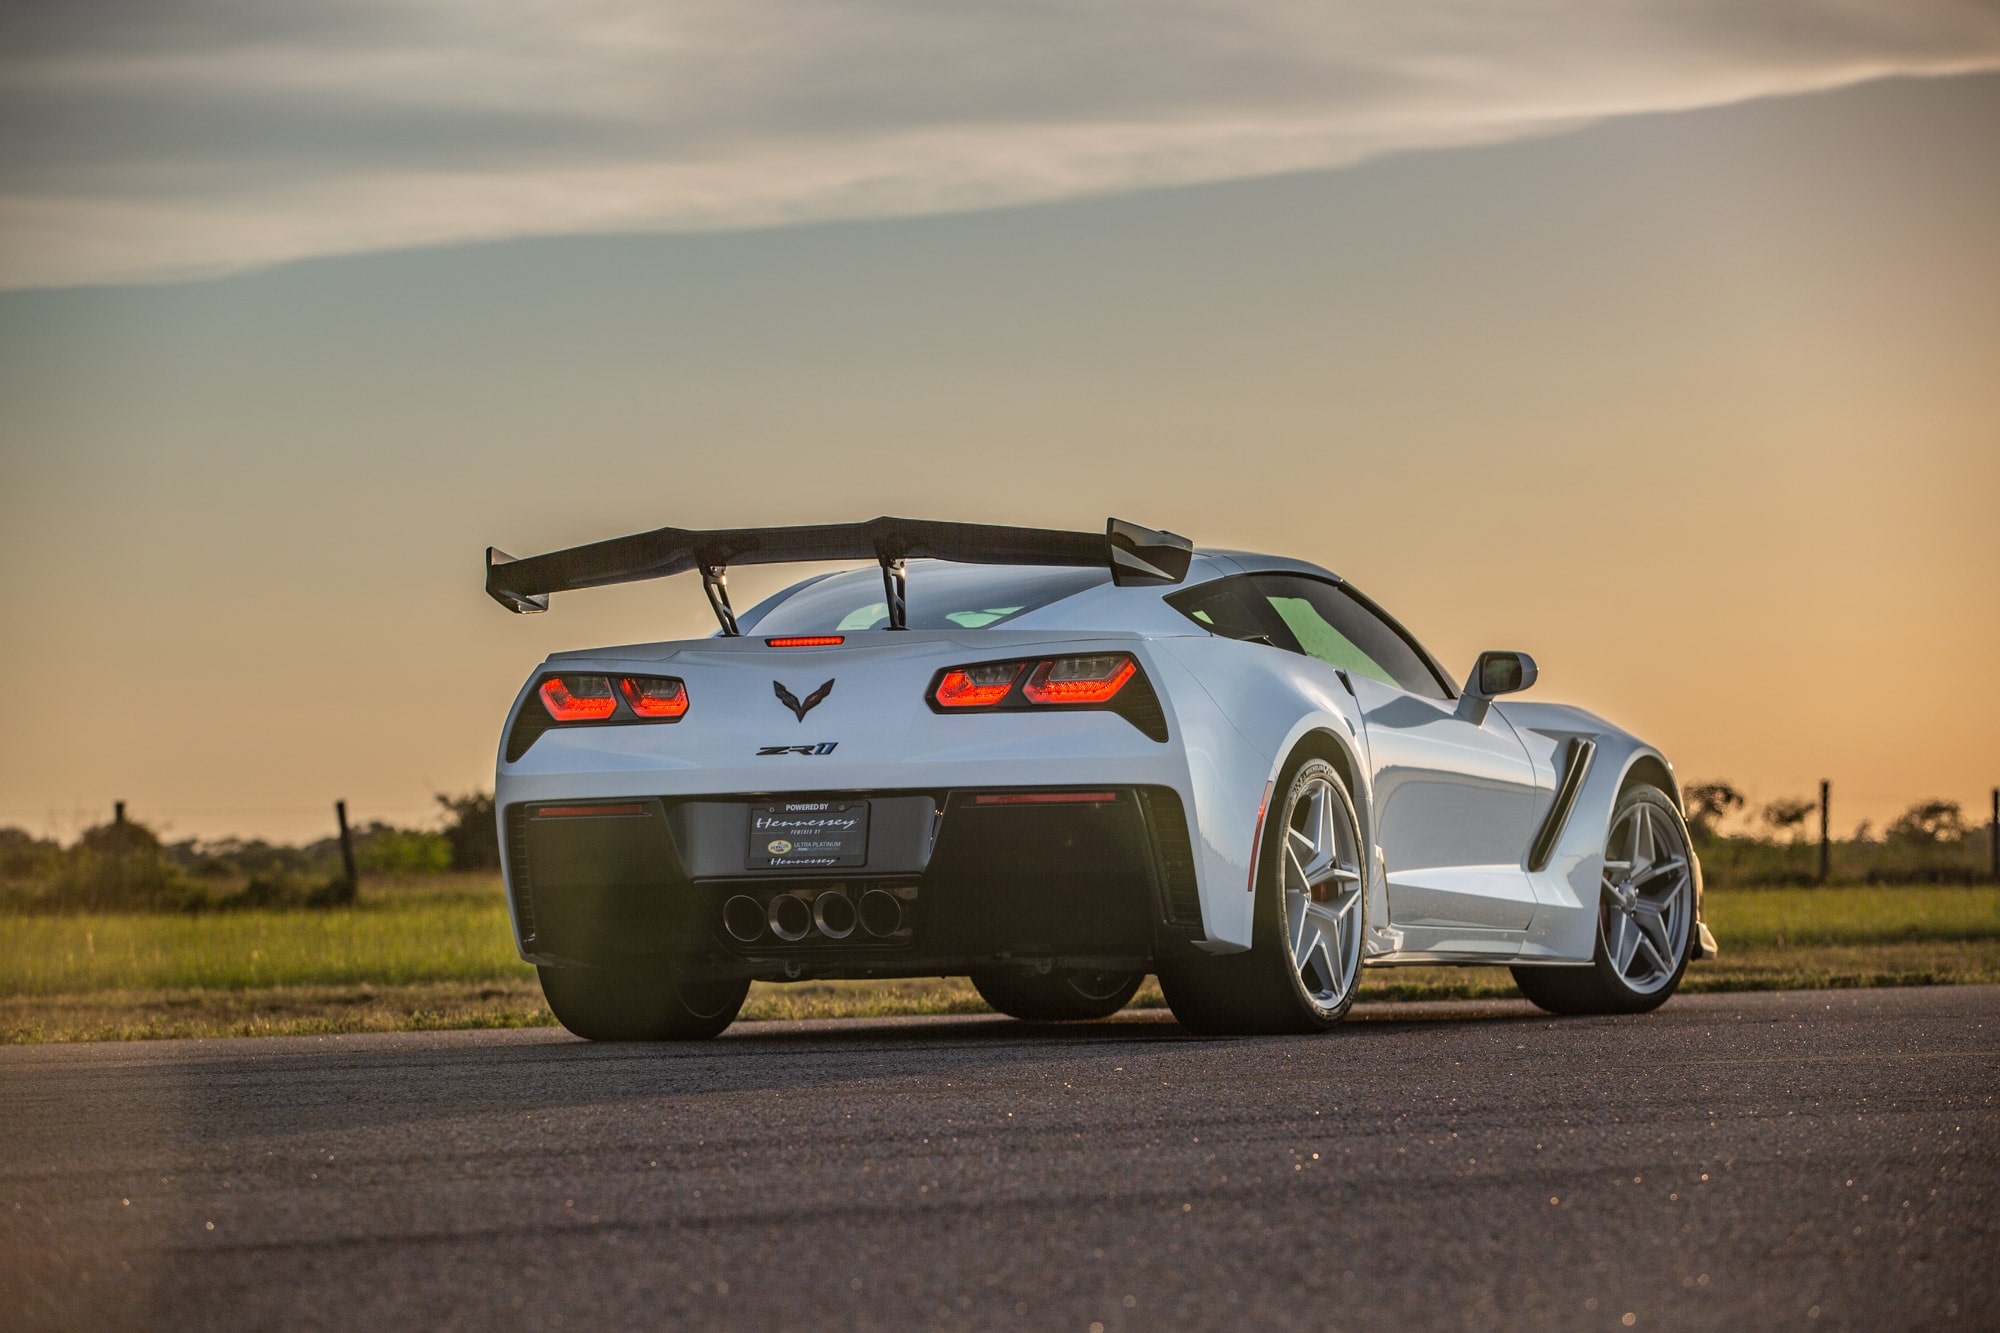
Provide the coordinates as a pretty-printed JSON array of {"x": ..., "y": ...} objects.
[
  {"x": 1788, "y": 814},
  {"x": 26, "y": 857},
  {"x": 1708, "y": 804},
  {"x": 1929, "y": 822},
  {"x": 469, "y": 828},
  {"x": 1864, "y": 832},
  {"x": 124, "y": 837},
  {"x": 382, "y": 849},
  {"x": 121, "y": 866}
]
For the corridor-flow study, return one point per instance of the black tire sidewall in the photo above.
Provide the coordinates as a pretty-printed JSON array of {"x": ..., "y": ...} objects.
[
  {"x": 627, "y": 1003},
  {"x": 1050, "y": 997}
]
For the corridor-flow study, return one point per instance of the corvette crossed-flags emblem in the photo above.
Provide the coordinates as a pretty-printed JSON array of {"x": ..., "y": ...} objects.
[{"x": 798, "y": 706}]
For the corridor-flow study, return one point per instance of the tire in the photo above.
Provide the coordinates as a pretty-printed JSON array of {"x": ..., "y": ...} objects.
[
  {"x": 1645, "y": 917},
  {"x": 628, "y": 1003},
  {"x": 1059, "y": 996},
  {"x": 1316, "y": 907}
]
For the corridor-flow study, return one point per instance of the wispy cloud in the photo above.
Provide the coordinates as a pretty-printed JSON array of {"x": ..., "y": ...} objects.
[{"x": 173, "y": 138}]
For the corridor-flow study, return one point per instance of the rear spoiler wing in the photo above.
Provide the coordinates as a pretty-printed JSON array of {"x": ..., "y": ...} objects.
[{"x": 1133, "y": 554}]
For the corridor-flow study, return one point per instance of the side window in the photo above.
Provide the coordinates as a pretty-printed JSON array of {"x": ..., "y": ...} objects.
[
  {"x": 1234, "y": 608},
  {"x": 1333, "y": 625}
]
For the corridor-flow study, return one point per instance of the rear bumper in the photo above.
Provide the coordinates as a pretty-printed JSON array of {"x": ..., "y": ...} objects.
[{"x": 954, "y": 879}]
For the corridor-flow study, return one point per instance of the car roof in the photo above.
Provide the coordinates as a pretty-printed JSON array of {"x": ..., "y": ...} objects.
[{"x": 1226, "y": 562}]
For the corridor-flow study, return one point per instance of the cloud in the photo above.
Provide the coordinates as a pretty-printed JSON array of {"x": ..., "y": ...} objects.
[{"x": 163, "y": 139}]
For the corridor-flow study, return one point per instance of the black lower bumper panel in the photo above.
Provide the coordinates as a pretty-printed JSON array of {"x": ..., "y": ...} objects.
[{"x": 953, "y": 881}]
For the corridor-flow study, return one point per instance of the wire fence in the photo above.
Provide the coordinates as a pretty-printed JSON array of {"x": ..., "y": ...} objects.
[{"x": 270, "y": 823}]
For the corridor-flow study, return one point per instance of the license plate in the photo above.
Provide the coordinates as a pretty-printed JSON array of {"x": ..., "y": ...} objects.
[{"x": 808, "y": 834}]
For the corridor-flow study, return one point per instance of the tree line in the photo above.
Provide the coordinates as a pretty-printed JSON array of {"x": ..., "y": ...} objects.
[
  {"x": 1777, "y": 842},
  {"x": 123, "y": 865}
]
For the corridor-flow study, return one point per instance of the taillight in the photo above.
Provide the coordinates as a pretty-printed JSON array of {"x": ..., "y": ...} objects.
[
  {"x": 1110, "y": 681},
  {"x": 1079, "y": 680},
  {"x": 579, "y": 698},
  {"x": 977, "y": 686},
  {"x": 807, "y": 641},
  {"x": 654, "y": 696},
  {"x": 570, "y": 698}
]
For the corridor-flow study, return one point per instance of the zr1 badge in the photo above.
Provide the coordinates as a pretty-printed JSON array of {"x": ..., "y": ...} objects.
[{"x": 824, "y": 747}]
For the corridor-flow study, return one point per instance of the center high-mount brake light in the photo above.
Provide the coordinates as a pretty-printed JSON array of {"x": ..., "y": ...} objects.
[
  {"x": 578, "y": 698},
  {"x": 654, "y": 696},
  {"x": 1079, "y": 680},
  {"x": 807, "y": 641},
  {"x": 977, "y": 686}
]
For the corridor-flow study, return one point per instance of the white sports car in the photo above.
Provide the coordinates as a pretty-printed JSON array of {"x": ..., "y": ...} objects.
[{"x": 1054, "y": 762}]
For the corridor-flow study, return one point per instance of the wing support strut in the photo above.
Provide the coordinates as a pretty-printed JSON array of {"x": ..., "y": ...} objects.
[
  {"x": 896, "y": 593},
  {"x": 715, "y": 582}
]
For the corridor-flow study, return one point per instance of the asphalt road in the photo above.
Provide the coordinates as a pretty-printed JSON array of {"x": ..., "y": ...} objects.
[{"x": 1809, "y": 1160}]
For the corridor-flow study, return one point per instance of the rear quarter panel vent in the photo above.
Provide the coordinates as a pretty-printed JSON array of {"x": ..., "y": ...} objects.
[{"x": 1168, "y": 822}]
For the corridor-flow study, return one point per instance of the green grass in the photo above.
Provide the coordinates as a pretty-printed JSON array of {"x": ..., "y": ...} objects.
[
  {"x": 420, "y": 941},
  {"x": 1852, "y": 915},
  {"x": 423, "y": 956}
]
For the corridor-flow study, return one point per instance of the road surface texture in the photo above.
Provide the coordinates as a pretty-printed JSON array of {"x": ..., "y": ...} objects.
[{"x": 1804, "y": 1160}]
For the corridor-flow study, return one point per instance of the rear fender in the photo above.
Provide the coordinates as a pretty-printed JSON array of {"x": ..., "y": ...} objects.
[{"x": 1244, "y": 711}]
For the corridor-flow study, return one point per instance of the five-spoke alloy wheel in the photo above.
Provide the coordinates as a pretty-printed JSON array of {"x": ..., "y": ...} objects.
[
  {"x": 1300, "y": 972},
  {"x": 1645, "y": 917},
  {"x": 1321, "y": 877}
]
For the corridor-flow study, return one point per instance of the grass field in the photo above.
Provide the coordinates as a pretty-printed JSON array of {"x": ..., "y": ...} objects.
[{"x": 437, "y": 953}]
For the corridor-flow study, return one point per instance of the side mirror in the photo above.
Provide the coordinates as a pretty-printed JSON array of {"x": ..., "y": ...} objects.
[{"x": 1493, "y": 675}]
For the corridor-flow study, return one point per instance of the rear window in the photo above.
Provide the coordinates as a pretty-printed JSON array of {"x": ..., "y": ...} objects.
[{"x": 942, "y": 595}]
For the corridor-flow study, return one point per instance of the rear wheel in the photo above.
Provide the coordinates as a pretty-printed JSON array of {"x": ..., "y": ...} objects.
[
  {"x": 628, "y": 1003},
  {"x": 1645, "y": 917},
  {"x": 1305, "y": 958},
  {"x": 1057, "y": 996}
]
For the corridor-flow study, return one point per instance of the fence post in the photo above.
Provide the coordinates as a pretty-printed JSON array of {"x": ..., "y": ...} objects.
[
  {"x": 1993, "y": 835},
  {"x": 118, "y": 812},
  {"x": 352, "y": 881},
  {"x": 1825, "y": 823}
]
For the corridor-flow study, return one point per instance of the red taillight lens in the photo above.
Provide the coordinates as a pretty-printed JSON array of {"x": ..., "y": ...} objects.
[
  {"x": 579, "y": 698},
  {"x": 654, "y": 696},
  {"x": 977, "y": 686},
  {"x": 1079, "y": 680},
  {"x": 807, "y": 641}
]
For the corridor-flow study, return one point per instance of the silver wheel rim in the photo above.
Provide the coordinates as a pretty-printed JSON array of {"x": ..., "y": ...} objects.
[
  {"x": 1648, "y": 899},
  {"x": 1322, "y": 883}
]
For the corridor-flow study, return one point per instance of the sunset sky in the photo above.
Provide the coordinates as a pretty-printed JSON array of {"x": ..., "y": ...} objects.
[{"x": 1660, "y": 340}]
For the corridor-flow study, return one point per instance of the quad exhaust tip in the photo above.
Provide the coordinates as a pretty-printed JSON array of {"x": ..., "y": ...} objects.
[
  {"x": 831, "y": 913},
  {"x": 881, "y": 914},
  {"x": 743, "y": 918},
  {"x": 791, "y": 920}
]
